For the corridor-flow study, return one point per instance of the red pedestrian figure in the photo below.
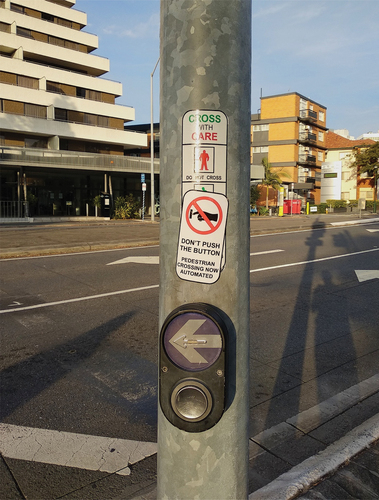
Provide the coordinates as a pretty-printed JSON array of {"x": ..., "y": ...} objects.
[{"x": 204, "y": 157}]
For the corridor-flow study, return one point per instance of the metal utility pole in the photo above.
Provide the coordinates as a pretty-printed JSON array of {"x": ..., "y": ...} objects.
[{"x": 204, "y": 249}]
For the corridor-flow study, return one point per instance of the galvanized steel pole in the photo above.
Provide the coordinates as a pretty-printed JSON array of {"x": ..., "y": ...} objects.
[{"x": 206, "y": 65}]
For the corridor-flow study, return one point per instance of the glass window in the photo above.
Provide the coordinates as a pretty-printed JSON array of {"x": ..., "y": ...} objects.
[
  {"x": 35, "y": 110},
  {"x": 321, "y": 116},
  {"x": 80, "y": 92},
  {"x": 24, "y": 32},
  {"x": 47, "y": 17},
  {"x": 61, "y": 114},
  {"x": 17, "y": 8}
]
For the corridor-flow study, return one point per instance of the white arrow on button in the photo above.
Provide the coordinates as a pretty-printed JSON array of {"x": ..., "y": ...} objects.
[
  {"x": 365, "y": 275},
  {"x": 186, "y": 343}
]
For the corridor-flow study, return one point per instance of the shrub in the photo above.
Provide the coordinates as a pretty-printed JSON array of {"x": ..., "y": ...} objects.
[
  {"x": 126, "y": 207},
  {"x": 321, "y": 209},
  {"x": 336, "y": 203},
  {"x": 263, "y": 210},
  {"x": 97, "y": 201}
]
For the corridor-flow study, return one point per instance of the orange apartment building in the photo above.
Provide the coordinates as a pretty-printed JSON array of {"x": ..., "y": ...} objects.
[{"x": 290, "y": 131}]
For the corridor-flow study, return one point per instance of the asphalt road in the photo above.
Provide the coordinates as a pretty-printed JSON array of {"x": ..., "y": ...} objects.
[{"x": 79, "y": 346}]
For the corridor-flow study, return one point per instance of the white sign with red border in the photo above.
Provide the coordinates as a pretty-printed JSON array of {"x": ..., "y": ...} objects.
[
  {"x": 201, "y": 238},
  {"x": 204, "y": 148}
]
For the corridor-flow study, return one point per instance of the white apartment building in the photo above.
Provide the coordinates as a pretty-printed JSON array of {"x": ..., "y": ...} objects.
[{"x": 62, "y": 136}]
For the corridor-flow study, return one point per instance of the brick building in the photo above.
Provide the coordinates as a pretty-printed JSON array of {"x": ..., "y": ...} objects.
[{"x": 290, "y": 131}]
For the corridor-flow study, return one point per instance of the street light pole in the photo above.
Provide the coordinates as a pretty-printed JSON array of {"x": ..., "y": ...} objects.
[{"x": 152, "y": 144}]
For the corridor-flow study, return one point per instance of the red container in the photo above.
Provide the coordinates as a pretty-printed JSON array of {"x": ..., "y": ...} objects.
[{"x": 296, "y": 207}]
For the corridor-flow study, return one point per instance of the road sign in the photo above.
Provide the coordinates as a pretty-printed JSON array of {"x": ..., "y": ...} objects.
[
  {"x": 200, "y": 255},
  {"x": 142, "y": 177},
  {"x": 144, "y": 186},
  {"x": 204, "y": 148}
]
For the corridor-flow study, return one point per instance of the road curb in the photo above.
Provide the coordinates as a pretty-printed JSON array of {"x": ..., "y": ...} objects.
[
  {"x": 312, "y": 470},
  {"x": 45, "y": 252}
]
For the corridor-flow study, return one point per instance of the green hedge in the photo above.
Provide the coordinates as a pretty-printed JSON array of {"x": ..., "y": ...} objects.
[{"x": 336, "y": 203}]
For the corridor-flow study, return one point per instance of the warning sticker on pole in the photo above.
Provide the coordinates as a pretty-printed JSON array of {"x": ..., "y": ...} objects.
[{"x": 201, "y": 239}]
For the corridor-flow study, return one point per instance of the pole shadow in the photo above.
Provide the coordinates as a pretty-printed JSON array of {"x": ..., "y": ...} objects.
[{"x": 24, "y": 381}]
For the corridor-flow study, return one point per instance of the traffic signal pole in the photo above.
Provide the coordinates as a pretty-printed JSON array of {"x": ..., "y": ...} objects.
[{"x": 204, "y": 249}]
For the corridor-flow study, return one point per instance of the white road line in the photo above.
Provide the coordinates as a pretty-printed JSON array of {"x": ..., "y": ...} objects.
[
  {"x": 82, "y": 451},
  {"x": 266, "y": 252},
  {"x": 131, "y": 290},
  {"x": 311, "y": 261},
  {"x": 78, "y": 299},
  {"x": 352, "y": 222},
  {"x": 148, "y": 259},
  {"x": 367, "y": 274}
]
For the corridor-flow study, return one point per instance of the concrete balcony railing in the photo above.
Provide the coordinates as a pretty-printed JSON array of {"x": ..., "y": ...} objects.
[{"x": 48, "y": 158}]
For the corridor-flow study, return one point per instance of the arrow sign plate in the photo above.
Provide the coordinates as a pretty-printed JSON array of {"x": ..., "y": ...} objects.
[{"x": 193, "y": 341}]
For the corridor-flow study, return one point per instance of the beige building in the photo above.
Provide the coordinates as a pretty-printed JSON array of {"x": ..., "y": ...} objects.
[
  {"x": 62, "y": 136},
  {"x": 339, "y": 181}
]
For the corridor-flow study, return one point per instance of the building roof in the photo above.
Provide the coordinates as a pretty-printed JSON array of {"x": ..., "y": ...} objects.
[{"x": 335, "y": 141}]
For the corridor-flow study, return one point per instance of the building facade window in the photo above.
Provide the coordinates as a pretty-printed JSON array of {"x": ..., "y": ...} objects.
[
  {"x": 24, "y": 32},
  {"x": 35, "y": 110},
  {"x": 261, "y": 128},
  {"x": 367, "y": 194},
  {"x": 321, "y": 136},
  {"x": 321, "y": 116},
  {"x": 60, "y": 114},
  {"x": 17, "y": 8},
  {"x": 260, "y": 149}
]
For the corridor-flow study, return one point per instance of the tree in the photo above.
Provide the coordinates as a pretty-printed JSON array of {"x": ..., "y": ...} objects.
[
  {"x": 255, "y": 192},
  {"x": 272, "y": 179},
  {"x": 366, "y": 159}
]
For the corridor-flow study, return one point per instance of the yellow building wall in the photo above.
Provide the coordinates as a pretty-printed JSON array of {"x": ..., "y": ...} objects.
[
  {"x": 287, "y": 174},
  {"x": 279, "y": 107},
  {"x": 283, "y": 131},
  {"x": 283, "y": 153}
]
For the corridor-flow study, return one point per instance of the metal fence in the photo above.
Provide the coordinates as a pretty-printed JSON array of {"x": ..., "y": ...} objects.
[{"x": 14, "y": 209}]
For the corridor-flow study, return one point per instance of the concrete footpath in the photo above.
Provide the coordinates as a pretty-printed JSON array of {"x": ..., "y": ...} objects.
[
  {"x": 283, "y": 463},
  {"x": 49, "y": 236}
]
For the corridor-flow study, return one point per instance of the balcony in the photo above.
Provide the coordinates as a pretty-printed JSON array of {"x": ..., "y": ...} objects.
[
  {"x": 308, "y": 138},
  {"x": 306, "y": 159},
  {"x": 308, "y": 115},
  {"x": 48, "y": 158},
  {"x": 305, "y": 178}
]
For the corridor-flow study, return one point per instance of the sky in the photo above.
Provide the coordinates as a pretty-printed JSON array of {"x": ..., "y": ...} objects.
[{"x": 326, "y": 50}]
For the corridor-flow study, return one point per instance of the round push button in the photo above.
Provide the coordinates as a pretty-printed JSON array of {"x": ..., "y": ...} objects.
[{"x": 191, "y": 401}]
